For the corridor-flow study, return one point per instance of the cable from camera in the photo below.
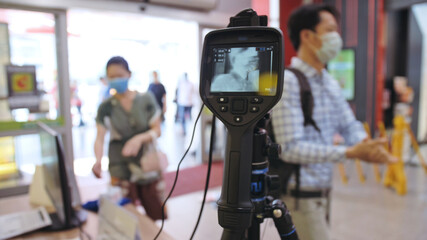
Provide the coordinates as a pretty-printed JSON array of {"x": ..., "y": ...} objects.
[
  {"x": 207, "y": 175},
  {"x": 82, "y": 232},
  {"x": 177, "y": 172}
]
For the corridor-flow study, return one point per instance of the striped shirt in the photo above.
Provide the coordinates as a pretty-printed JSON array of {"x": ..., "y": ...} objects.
[{"x": 332, "y": 114}]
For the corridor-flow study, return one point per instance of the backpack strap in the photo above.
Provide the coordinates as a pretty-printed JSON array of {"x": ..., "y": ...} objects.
[
  {"x": 285, "y": 170},
  {"x": 307, "y": 105},
  {"x": 307, "y": 101}
]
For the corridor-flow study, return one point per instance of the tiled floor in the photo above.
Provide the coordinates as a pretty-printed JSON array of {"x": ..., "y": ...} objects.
[{"x": 359, "y": 211}]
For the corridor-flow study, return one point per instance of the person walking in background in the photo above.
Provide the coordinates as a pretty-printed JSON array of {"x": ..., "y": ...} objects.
[
  {"x": 175, "y": 100},
  {"x": 185, "y": 103},
  {"x": 76, "y": 101},
  {"x": 157, "y": 88},
  {"x": 133, "y": 120}
]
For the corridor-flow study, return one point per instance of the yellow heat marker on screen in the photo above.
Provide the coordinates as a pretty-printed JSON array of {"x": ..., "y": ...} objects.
[
  {"x": 267, "y": 84},
  {"x": 376, "y": 168}
]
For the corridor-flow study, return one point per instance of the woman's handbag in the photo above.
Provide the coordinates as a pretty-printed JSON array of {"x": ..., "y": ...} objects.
[{"x": 153, "y": 159}]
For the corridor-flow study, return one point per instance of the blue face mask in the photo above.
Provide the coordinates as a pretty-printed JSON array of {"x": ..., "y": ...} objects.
[{"x": 119, "y": 84}]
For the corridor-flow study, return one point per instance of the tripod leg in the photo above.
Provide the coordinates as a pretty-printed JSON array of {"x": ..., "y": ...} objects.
[
  {"x": 283, "y": 221},
  {"x": 228, "y": 234},
  {"x": 254, "y": 231}
]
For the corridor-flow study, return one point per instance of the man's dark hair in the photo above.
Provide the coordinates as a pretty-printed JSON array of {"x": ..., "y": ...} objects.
[
  {"x": 118, "y": 60},
  {"x": 307, "y": 17}
]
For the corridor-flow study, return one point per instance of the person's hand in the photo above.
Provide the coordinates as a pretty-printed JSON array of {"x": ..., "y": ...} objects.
[
  {"x": 132, "y": 146},
  {"x": 97, "y": 170},
  {"x": 371, "y": 150}
]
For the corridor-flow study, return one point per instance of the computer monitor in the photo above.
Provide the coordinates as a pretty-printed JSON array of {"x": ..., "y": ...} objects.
[{"x": 60, "y": 182}]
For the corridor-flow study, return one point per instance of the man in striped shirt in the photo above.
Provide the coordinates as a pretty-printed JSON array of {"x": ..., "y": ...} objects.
[{"x": 313, "y": 32}]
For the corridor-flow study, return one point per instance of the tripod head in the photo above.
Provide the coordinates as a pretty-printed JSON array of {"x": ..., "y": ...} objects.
[{"x": 248, "y": 17}]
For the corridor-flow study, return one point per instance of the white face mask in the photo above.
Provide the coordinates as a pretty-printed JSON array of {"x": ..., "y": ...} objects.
[{"x": 331, "y": 46}]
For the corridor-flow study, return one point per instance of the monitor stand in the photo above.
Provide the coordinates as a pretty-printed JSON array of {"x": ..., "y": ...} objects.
[{"x": 80, "y": 216}]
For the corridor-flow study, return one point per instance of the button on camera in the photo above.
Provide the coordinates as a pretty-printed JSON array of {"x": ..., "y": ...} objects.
[
  {"x": 238, "y": 106},
  {"x": 254, "y": 109},
  {"x": 222, "y": 100},
  {"x": 238, "y": 119},
  {"x": 256, "y": 100}
]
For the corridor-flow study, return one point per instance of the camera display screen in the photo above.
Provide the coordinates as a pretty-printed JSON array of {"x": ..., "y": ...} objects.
[{"x": 244, "y": 70}]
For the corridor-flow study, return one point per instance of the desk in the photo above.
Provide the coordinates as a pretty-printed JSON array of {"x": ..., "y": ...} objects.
[{"x": 20, "y": 203}]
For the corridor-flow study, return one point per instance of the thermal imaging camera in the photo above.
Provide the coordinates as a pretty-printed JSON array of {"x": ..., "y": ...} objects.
[
  {"x": 241, "y": 80},
  {"x": 242, "y": 73}
]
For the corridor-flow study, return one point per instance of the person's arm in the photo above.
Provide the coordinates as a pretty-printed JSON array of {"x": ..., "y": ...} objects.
[
  {"x": 288, "y": 125},
  {"x": 371, "y": 150},
  {"x": 132, "y": 146},
  {"x": 99, "y": 149},
  {"x": 355, "y": 136}
]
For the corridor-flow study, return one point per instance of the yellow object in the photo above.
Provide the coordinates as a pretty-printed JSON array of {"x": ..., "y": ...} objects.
[
  {"x": 342, "y": 173},
  {"x": 359, "y": 169},
  {"x": 383, "y": 133},
  {"x": 376, "y": 168},
  {"x": 395, "y": 176},
  {"x": 7, "y": 157},
  {"x": 416, "y": 147}
]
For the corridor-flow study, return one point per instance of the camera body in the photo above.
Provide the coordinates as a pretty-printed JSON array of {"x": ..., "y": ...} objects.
[
  {"x": 242, "y": 73},
  {"x": 241, "y": 80}
]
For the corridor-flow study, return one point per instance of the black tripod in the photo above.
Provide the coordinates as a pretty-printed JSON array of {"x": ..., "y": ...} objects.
[
  {"x": 266, "y": 206},
  {"x": 241, "y": 221}
]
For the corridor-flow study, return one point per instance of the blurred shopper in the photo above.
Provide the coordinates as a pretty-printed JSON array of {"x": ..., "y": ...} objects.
[
  {"x": 313, "y": 30},
  {"x": 76, "y": 101},
  {"x": 159, "y": 91},
  {"x": 133, "y": 120},
  {"x": 185, "y": 95},
  {"x": 175, "y": 100},
  {"x": 104, "y": 91}
]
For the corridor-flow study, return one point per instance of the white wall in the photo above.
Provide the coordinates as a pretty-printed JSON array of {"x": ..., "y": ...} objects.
[{"x": 421, "y": 17}]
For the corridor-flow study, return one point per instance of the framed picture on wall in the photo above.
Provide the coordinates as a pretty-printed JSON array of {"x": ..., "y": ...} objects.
[
  {"x": 343, "y": 69},
  {"x": 21, "y": 80}
]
